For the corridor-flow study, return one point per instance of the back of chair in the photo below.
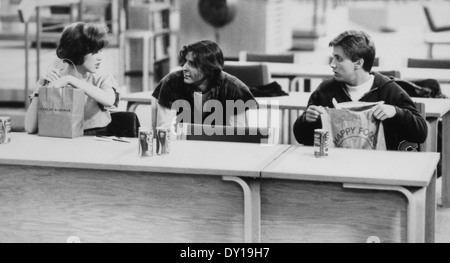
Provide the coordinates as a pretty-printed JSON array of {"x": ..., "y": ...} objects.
[
  {"x": 391, "y": 73},
  {"x": 411, "y": 146},
  {"x": 124, "y": 124},
  {"x": 189, "y": 131},
  {"x": 428, "y": 63},
  {"x": 263, "y": 57},
  {"x": 252, "y": 75},
  {"x": 431, "y": 24}
]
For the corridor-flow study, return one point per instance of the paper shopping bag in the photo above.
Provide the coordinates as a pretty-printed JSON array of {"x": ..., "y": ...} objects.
[
  {"x": 61, "y": 112},
  {"x": 354, "y": 127}
]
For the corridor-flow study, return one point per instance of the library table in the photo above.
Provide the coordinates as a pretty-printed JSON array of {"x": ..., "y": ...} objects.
[
  {"x": 292, "y": 106},
  {"x": 101, "y": 191},
  {"x": 436, "y": 110},
  {"x": 349, "y": 196}
]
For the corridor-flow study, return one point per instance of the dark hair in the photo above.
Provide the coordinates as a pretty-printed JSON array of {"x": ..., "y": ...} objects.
[
  {"x": 357, "y": 45},
  {"x": 80, "y": 39},
  {"x": 207, "y": 56}
]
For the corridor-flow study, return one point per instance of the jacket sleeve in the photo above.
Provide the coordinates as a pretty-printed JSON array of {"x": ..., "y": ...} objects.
[
  {"x": 303, "y": 130},
  {"x": 408, "y": 120}
]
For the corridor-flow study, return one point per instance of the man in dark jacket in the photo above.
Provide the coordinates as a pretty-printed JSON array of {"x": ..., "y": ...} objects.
[
  {"x": 191, "y": 93},
  {"x": 353, "y": 57}
]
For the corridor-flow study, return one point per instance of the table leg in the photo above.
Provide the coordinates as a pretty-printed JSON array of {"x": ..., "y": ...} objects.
[
  {"x": 417, "y": 209},
  {"x": 430, "y": 50},
  {"x": 145, "y": 66},
  {"x": 431, "y": 142},
  {"x": 445, "y": 161},
  {"x": 252, "y": 208},
  {"x": 430, "y": 217}
]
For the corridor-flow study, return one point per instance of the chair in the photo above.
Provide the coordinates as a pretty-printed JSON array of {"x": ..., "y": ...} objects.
[
  {"x": 252, "y": 75},
  {"x": 428, "y": 63},
  {"x": 431, "y": 22},
  {"x": 189, "y": 131},
  {"x": 244, "y": 56},
  {"x": 436, "y": 37},
  {"x": 391, "y": 73},
  {"x": 292, "y": 58}
]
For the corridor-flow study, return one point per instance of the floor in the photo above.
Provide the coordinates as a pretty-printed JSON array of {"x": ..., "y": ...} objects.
[{"x": 392, "y": 48}]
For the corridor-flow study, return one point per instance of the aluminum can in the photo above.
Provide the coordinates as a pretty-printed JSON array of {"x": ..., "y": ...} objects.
[
  {"x": 162, "y": 141},
  {"x": 321, "y": 143},
  {"x": 5, "y": 130},
  {"x": 145, "y": 142}
]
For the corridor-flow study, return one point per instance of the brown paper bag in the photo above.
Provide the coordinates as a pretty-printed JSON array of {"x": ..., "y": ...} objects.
[
  {"x": 354, "y": 127},
  {"x": 61, "y": 112}
]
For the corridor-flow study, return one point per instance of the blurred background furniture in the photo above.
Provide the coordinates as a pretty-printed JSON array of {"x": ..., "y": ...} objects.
[
  {"x": 148, "y": 44},
  {"x": 289, "y": 58},
  {"x": 428, "y": 63},
  {"x": 246, "y": 56},
  {"x": 431, "y": 23},
  {"x": 439, "y": 33},
  {"x": 252, "y": 75},
  {"x": 391, "y": 73},
  {"x": 376, "y": 62}
]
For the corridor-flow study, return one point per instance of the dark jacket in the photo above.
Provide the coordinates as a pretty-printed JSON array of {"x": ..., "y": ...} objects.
[
  {"x": 172, "y": 88},
  {"x": 406, "y": 125}
]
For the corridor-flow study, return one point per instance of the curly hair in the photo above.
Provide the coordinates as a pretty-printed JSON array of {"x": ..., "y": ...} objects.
[
  {"x": 80, "y": 39},
  {"x": 357, "y": 45},
  {"x": 208, "y": 57}
]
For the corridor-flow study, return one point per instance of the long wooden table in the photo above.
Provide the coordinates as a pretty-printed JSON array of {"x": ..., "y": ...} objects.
[
  {"x": 208, "y": 192},
  {"x": 436, "y": 110},
  {"x": 290, "y": 108},
  {"x": 349, "y": 196},
  {"x": 103, "y": 192}
]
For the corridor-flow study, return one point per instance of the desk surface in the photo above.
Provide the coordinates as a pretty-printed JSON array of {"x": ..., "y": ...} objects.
[
  {"x": 355, "y": 166},
  {"x": 435, "y": 108},
  {"x": 186, "y": 157}
]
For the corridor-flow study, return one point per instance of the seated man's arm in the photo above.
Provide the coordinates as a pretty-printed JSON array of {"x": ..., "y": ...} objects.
[{"x": 165, "y": 118}]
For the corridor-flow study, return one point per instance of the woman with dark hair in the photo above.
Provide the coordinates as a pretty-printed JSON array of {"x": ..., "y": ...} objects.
[
  {"x": 80, "y": 48},
  {"x": 201, "y": 85}
]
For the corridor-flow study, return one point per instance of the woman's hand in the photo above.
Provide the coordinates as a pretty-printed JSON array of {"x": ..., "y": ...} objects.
[
  {"x": 51, "y": 75},
  {"x": 59, "y": 83}
]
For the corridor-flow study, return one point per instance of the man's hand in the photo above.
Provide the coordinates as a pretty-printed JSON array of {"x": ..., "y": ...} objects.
[
  {"x": 383, "y": 112},
  {"x": 313, "y": 113}
]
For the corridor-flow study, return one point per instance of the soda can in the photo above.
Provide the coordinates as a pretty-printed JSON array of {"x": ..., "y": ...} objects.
[
  {"x": 321, "y": 143},
  {"x": 145, "y": 142},
  {"x": 162, "y": 141},
  {"x": 5, "y": 130}
]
